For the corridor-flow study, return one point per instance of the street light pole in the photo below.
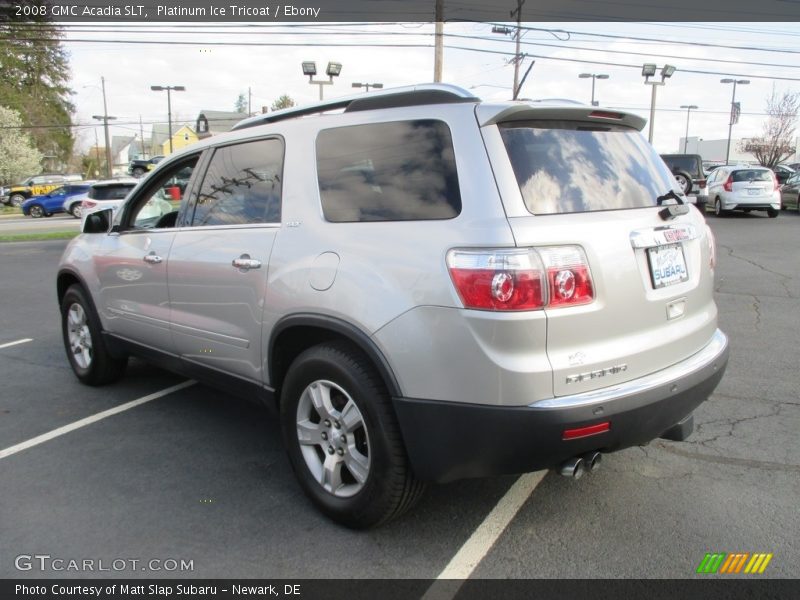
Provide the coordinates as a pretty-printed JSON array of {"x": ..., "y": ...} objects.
[
  {"x": 376, "y": 86},
  {"x": 733, "y": 103},
  {"x": 168, "y": 89},
  {"x": 648, "y": 71},
  {"x": 689, "y": 108},
  {"x": 310, "y": 69},
  {"x": 593, "y": 76}
]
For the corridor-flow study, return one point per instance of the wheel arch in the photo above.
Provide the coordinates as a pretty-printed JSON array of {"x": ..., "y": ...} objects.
[{"x": 296, "y": 333}]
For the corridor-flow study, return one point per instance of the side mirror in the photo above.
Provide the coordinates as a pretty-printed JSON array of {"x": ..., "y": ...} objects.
[{"x": 98, "y": 222}]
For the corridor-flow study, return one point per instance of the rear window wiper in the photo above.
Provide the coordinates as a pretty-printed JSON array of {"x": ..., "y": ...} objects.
[{"x": 670, "y": 195}]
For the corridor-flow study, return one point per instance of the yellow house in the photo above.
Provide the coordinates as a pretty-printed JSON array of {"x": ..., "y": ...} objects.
[{"x": 180, "y": 139}]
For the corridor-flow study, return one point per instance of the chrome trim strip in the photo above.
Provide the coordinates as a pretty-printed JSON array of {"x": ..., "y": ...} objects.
[{"x": 702, "y": 360}]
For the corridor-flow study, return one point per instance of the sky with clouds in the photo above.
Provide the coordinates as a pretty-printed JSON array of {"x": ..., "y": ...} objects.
[{"x": 267, "y": 59}]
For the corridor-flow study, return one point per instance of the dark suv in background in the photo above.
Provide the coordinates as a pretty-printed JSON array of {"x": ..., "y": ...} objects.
[{"x": 688, "y": 170}]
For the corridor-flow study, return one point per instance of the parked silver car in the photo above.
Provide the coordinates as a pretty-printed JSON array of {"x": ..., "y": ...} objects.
[
  {"x": 424, "y": 286},
  {"x": 743, "y": 187}
]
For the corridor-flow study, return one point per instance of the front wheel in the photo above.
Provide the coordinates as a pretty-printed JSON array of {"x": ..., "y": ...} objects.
[
  {"x": 718, "y": 211},
  {"x": 138, "y": 172},
  {"x": 343, "y": 439},
  {"x": 16, "y": 200},
  {"x": 82, "y": 333},
  {"x": 36, "y": 211}
]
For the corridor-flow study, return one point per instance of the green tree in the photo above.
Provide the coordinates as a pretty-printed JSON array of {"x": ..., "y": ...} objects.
[
  {"x": 18, "y": 156},
  {"x": 283, "y": 102},
  {"x": 241, "y": 104},
  {"x": 34, "y": 80}
]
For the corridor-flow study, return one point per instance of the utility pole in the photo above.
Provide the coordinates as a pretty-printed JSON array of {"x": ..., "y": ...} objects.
[
  {"x": 105, "y": 118},
  {"x": 141, "y": 133},
  {"x": 249, "y": 100},
  {"x": 438, "y": 41},
  {"x": 517, "y": 57}
]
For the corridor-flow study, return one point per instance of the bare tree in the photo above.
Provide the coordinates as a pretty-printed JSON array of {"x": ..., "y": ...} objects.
[{"x": 777, "y": 142}]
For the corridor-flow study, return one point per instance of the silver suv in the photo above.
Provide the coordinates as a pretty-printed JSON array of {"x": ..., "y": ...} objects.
[{"x": 425, "y": 287}]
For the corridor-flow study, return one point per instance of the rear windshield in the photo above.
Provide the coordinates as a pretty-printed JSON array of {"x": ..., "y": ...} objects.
[
  {"x": 110, "y": 192},
  {"x": 752, "y": 175},
  {"x": 570, "y": 167},
  {"x": 690, "y": 163}
]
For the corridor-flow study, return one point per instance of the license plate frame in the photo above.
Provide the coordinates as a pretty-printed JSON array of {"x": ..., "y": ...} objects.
[{"x": 667, "y": 265}]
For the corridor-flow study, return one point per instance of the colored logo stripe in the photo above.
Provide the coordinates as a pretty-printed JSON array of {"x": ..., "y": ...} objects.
[{"x": 721, "y": 562}]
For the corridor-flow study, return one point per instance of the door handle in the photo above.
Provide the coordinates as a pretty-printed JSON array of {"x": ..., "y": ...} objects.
[
  {"x": 245, "y": 263},
  {"x": 152, "y": 259}
]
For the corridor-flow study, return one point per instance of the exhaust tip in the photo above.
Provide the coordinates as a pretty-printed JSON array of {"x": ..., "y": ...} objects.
[
  {"x": 593, "y": 461},
  {"x": 574, "y": 468}
]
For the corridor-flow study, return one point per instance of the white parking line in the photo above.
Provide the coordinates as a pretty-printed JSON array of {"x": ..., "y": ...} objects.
[
  {"x": 483, "y": 538},
  {"x": 9, "y": 344},
  {"x": 45, "y": 437}
]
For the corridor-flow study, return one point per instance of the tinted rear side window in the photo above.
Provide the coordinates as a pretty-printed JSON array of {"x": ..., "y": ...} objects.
[
  {"x": 752, "y": 175},
  {"x": 400, "y": 171},
  {"x": 569, "y": 167}
]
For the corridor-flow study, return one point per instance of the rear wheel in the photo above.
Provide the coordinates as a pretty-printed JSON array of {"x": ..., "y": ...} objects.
[
  {"x": 718, "y": 210},
  {"x": 75, "y": 210},
  {"x": 798, "y": 204},
  {"x": 343, "y": 439},
  {"x": 772, "y": 213},
  {"x": 138, "y": 172},
  {"x": 83, "y": 341}
]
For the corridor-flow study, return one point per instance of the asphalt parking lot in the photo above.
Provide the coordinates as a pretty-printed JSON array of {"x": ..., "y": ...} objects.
[{"x": 199, "y": 476}]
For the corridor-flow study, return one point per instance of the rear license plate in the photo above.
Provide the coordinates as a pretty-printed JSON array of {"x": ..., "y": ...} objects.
[
  {"x": 754, "y": 191},
  {"x": 667, "y": 265}
]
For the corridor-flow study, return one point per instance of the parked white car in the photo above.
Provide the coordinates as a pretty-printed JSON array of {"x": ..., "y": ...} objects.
[
  {"x": 743, "y": 187},
  {"x": 110, "y": 193}
]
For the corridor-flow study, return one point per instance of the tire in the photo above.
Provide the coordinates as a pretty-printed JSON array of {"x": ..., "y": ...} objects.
[
  {"x": 75, "y": 210},
  {"x": 684, "y": 181},
  {"x": 798, "y": 204},
  {"x": 138, "y": 172},
  {"x": 362, "y": 479},
  {"x": 36, "y": 211},
  {"x": 16, "y": 200},
  {"x": 772, "y": 213},
  {"x": 83, "y": 341},
  {"x": 701, "y": 206},
  {"x": 718, "y": 211}
]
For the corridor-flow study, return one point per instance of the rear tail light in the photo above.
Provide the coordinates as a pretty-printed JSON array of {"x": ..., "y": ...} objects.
[
  {"x": 775, "y": 181},
  {"x": 712, "y": 248},
  {"x": 582, "y": 432},
  {"x": 521, "y": 279},
  {"x": 498, "y": 279},
  {"x": 88, "y": 204},
  {"x": 701, "y": 184},
  {"x": 568, "y": 277},
  {"x": 728, "y": 185}
]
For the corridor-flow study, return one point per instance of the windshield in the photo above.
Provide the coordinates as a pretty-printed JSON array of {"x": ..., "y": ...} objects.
[
  {"x": 109, "y": 192},
  {"x": 569, "y": 167}
]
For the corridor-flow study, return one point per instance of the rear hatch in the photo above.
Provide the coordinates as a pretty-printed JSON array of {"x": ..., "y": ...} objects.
[
  {"x": 752, "y": 185},
  {"x": 588, "y": 185}
]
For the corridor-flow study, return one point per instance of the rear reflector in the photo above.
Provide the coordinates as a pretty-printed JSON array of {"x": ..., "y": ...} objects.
[{"x": 582, "y": 432}]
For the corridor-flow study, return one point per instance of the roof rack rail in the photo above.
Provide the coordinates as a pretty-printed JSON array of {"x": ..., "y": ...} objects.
[{"x": 414, "y": 95}]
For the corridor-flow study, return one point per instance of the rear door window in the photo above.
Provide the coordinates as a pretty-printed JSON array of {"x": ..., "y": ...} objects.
[
  {"x": 570, "y": 167},
  {"x": 399, "y": 171}
]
